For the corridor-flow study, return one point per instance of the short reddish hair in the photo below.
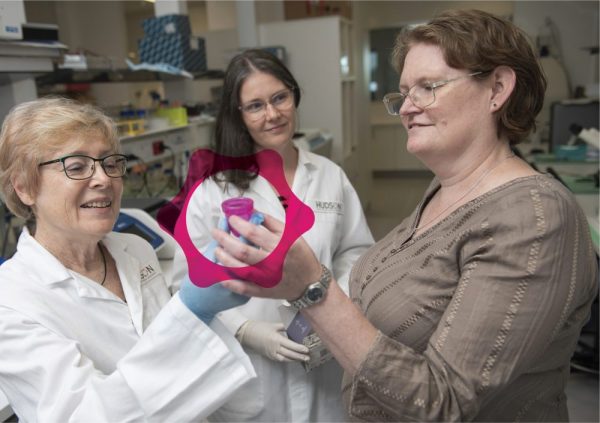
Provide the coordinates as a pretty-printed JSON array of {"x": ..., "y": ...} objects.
[{"x": 478, "y": 41}]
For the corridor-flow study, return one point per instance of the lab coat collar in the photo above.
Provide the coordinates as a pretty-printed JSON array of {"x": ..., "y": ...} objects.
[
  {"x": 306, "y": 161},
  {"x": 48, "y": 270},
  {"x": 45, "y": 266},
  {"x": 307, "y": 166}
]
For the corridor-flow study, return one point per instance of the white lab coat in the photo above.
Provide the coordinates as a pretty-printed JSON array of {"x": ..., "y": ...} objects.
[
  {"x": 283, "y": 391},
  {"x": 70, "y": 350}
]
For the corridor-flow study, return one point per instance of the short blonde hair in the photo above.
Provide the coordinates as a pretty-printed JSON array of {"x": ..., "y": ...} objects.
[{"x": 35, "y": 129}]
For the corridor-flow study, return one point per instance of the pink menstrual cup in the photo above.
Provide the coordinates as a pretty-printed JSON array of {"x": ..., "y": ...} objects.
[{"x": 239, "y": 206}]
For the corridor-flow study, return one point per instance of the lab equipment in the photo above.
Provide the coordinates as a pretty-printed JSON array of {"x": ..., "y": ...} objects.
[
  {"x": 299, "y": 330},
  {"x": 590, "y": 135},
  {"x": 318, "y": 354},
  {"x": 238, "y": 206},
  {"x": 128, "y": 224},
  {"x": 575, "y": 153},
  {"x": 315, "y": 141},
  {"x": 12, "y": 16},
  {"x": 565, "y": 114},
  {"x": 140, "y": 223}
]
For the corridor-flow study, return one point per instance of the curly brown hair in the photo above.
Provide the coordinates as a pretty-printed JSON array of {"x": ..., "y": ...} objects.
[{"x": 479, "y": 41}]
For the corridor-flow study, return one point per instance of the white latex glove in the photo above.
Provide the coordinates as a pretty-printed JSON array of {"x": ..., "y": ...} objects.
[{"x": 270, "y": 340}]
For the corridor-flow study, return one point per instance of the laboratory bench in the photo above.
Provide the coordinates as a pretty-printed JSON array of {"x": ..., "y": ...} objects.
[{"x": 581, "y": 177}]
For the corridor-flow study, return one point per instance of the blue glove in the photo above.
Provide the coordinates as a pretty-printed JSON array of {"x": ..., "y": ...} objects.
[
  {"x": 205, "y": 303},
  {"x": 209, "y": 253}
]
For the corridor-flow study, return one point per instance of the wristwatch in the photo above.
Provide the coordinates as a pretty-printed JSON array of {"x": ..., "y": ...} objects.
[{"x": 315, "y": 292}]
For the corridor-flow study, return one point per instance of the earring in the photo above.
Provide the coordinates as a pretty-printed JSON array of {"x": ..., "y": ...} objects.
[{"x": 494, "y": 104}]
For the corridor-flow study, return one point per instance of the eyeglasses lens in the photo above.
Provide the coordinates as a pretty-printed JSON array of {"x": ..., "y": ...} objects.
[
  {"x": 115, "y": 166},
  {"x": 420, "y": 95},
  {"x": 78, "y": 167},
  {"x": 82, "y": 167},
  {"x": 281, "y": 101},
  {"x": 393, "y": 103}
]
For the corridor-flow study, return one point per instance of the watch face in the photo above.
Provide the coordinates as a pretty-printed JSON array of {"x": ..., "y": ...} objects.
[{"x": 314, "y": 294}]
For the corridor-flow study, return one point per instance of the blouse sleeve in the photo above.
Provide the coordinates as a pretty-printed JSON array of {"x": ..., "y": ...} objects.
[{"x": 528, "y": 275}]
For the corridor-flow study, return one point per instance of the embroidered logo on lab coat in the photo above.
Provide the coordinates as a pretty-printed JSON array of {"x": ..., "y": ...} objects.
[
  {"x": 321, "y": 206},
  {"x": 147, "y": 272}
]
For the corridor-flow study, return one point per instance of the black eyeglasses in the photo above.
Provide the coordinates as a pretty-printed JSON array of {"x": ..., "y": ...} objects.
[{"x": 78, "y": 166}]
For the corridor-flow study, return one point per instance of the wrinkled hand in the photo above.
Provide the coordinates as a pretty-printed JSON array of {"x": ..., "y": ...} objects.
[
  {"x": 209, "y": 253},
  {"x": 270, "y": 340},
  {"x": 300, "y": 268},
  {"x": 205, "y": 303}
]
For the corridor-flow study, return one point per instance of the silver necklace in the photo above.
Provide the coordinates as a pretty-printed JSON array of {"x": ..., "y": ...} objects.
[
  {"x": 477, "y": 182},
  {"x": 104, "y": 262}
]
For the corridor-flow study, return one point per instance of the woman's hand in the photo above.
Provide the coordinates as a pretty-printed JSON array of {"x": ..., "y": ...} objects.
[
  {"x": 270, "y": 340},
  {"x": 300, "y": 267},
  {"x": 205, "y": 303}
]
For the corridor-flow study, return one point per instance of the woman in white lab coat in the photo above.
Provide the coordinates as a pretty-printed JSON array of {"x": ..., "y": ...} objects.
[
  {"x": 89, "y": 328},
  {"x": 258, "y": 112}
]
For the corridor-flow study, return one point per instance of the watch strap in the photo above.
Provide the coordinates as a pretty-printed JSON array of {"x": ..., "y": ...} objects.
[{"x": 304, "y": 301}]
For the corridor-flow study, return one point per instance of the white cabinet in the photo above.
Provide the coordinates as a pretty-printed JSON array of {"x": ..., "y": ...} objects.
[
  {"x": 320, "y": 55},
  {"x": 20, "y": 62}
]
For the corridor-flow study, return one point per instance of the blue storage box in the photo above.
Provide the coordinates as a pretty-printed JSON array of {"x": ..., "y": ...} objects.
[
  {"x": 181, "y": 51},
  {"x": 167, "y": 25},
  {"x": 571, "y": 152}
]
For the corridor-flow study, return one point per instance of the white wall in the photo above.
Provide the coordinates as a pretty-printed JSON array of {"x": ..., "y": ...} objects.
[
  {"x": 95, "y": 26},
  {"x": 40, "y": 11},
  {"x": 269, "y": 11},
  {"x": 198, "y": 16},
  {"x": 221, "y": 14},
  {"x": 381, "y": 14},
  {"x": 359, "y": 163}
]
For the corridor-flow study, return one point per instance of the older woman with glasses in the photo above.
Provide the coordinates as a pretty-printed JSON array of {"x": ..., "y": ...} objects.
[
  {"x": 89, "y": 328},
  {"x": 258, "y": 112},
  {"x": 471, "y": 308}
]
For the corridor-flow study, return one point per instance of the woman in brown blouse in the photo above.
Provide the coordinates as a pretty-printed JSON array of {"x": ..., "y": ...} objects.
[{"x": 471, "y": 308}]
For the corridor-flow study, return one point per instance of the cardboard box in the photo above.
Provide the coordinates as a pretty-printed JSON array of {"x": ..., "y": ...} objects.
[
  {"x": 181, "y": 51},
  {"x": 167, "y": 25},
  {"x": 296, "y": 9}
]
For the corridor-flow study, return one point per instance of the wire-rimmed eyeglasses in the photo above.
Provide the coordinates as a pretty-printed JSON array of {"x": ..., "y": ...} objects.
[
  {"x": 256, "y": 110},
  {"x": 79, "y": 166},
  {"x": 421, "y": 94}
]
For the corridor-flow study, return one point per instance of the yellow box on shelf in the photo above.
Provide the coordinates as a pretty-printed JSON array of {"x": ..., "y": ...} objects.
[
  {"x": 131, "y": 126},
  {"x": 177, "y": 115}
]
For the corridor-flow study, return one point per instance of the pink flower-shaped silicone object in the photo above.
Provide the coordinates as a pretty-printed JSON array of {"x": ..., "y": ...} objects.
[{"x": 299, "y": 218}]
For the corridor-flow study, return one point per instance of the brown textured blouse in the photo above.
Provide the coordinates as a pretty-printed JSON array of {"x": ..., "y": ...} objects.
[{"x": 480, "y": 314}]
